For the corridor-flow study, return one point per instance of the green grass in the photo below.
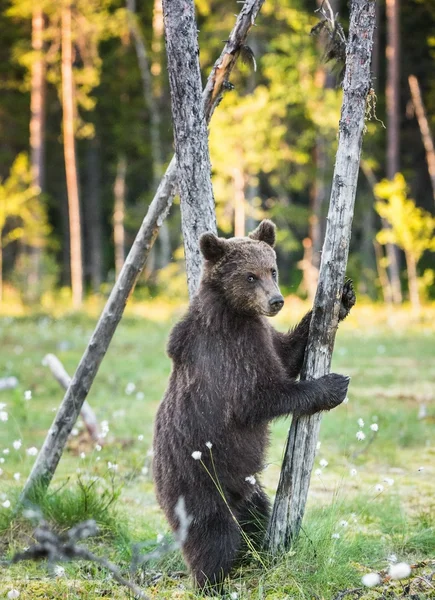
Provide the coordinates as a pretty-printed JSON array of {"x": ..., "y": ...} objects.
[{"x": 393, "y": 372}]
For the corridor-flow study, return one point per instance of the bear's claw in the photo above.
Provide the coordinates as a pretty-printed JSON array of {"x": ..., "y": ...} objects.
[{"x": 348, "y": 299}]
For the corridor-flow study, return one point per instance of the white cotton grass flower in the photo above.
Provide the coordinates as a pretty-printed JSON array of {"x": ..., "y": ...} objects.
[
  {"x": 251, "y": 479},
  {"x": 17, "y": 476},
  {"x": 392, "y": 558},
  {"x": 209, "y": 445},
  {"x": 28, "y": 395},
  {"x": 318, "y": 472},
  {"x": 140, "y": 438},
  {"x": 6, "y": 451},
  {"x": 6, "y": 504},
  {"x": 1, "y": 472},
  {"x": 32, "y": 451},
  {"x": 344, "y": 523},
  {"x": 234, "y": 595},
  {"x": 399, "y": 571},
  {"x": 196, "y": 455},
  {"x": 374, "y": 427},
  {"x": 130, "y": 388},
  {"x": 59, "y": 571},
  {"x": 360, "y": 436},
  {"x": 389, "y": 481},
  {"x": 144, "y": 470},
  {"x": 160, "y": 538},
  {"x": 3, "y": 416},
  {"x": 323, "y": 463},
  {"x": 318, "y": 445},
  {"x": 13, "y": 594},
  {"x": 98, "y": 447},
  {"x": 82, "y": 455},
  {"x": 371, "y": 579},
  {"x": 335, "y": 536},
  {"x": 2, "y": 460},
  {"x": 74, "y": 431},
  {"x": 379, "y": 488},
  {"x": 353, "y": 472},
  {"x": 112, "y": 466},
  {"x": 360, "y": 422},
  {"x": 17, "y": 444}
]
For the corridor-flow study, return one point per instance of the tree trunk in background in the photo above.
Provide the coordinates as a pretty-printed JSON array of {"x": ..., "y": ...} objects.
[
  {"x": 426, "y": 134},
  {"x": 119, "y": 190},
  {"x": 92, "y": 209},
  {"x": 190, "y": 132},
  {"x": 414, "y": 296},
  {"x": 152, "y": 103},
  {"x": 393, "y": 127},
  {"x": 292, "y": 491},
  {"x": 37, "y": 126},
  {"x": 1, "y": 269},
  {"x": 70, "y": 160}
]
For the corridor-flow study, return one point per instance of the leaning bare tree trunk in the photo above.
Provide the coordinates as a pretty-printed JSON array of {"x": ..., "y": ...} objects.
[
  {"x": 424, "y": 128},
  {"x": 190, "y": 132},
  {"x": 51, "y": 452},
  {"x": 70, "y": 160},
  {"x": 393, "y": 128},
  {"x": 292, "y": 491},
  {"x": 87, "y": 414}
]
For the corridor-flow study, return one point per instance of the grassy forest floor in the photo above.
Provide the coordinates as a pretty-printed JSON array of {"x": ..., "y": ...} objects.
[{"x": 375, "y": 498}]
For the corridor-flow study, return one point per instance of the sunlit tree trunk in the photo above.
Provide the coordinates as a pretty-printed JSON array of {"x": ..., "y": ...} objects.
[
  {"x": 70, "y": 159},
  {"x": 119, "y": 190},
  {"x": 37, "y": 125},
  {"x": 393, "y": 127},
  {"x": 1, "y": 269}
]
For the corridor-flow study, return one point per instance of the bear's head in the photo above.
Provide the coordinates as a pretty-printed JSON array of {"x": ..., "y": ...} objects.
[{"x": 244, "y": 270}]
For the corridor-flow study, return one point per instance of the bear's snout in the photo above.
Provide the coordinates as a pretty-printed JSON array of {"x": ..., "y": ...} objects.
[{"x": 276, "y": 303}]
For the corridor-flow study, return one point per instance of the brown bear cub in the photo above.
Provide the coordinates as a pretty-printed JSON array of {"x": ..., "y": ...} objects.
[{"x": 232, "y": 374}]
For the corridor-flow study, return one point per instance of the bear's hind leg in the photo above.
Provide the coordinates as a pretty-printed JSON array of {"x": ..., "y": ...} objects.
[{"x": 210, "y": 550}]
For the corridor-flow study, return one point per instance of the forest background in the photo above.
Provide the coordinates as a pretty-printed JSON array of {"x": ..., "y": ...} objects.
[{"x": 85, "y": 135}]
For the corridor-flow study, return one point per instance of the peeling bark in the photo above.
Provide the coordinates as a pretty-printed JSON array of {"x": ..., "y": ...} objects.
[
  {"x": 292, "y": 491},
  {"x": 51, "y": 451}
]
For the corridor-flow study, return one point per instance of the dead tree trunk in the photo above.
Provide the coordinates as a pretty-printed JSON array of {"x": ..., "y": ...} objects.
[
  {"x": 292, "y": 491},
  {"x": 87, "y": 414},
  {"x": 190, "y": 132},
  {"x": 426, "y": 134},
  {"x": 51, "y": 452}
]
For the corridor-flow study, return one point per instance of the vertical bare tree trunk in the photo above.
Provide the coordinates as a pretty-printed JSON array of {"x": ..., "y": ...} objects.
[
  {"x": 119, "y": 214},
  {"x": 426, "y": 134},
  {"x": 393, "y": 127},
  {"x": 292, "y": 491},
  {"x": 190, "y": 132},
  {"x": 81, "y": 382},
  {"x": 1, "y": 268},
  {"x": 70, "y": 159}
]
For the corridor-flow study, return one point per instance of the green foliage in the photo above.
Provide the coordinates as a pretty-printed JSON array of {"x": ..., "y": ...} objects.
[
  {"x": 22, "y": 213},
  {"x": 412, "y": 228}
]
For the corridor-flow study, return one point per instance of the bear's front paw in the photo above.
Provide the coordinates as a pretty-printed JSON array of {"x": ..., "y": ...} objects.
[
  {"x": 348, "y": 299},
  {"x": 335, "y": 387}
]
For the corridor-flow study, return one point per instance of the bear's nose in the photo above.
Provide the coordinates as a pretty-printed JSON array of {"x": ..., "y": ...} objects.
[{"x": 276, "y": 302}]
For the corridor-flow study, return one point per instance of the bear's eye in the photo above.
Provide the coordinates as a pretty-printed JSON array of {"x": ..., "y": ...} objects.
[
  {"x": 251, "y": 278},
  {"x": 274, "y": 274}
]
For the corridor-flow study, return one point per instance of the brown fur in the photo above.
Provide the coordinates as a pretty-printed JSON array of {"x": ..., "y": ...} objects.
[{"x": 232, "y": 374}]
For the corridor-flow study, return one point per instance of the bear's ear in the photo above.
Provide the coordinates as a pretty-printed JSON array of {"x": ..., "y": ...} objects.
[
  {"x": 212, "y": 247},
  {"x": 265, "y": 232}
]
